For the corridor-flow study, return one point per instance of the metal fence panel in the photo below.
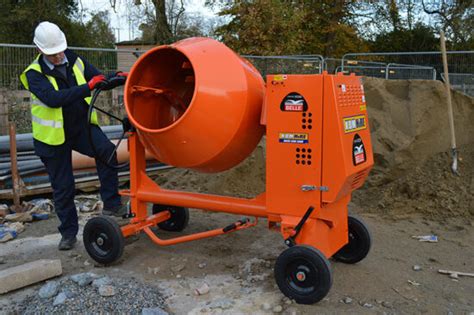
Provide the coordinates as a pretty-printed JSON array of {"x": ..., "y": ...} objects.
[
  {"x": 463, "y": 82},
  {"x": 15, "y": 58},
  {"x": 287, "y": 64},
  {"x": 419, "y": 65},
  {"x": 14, "y": 100}
]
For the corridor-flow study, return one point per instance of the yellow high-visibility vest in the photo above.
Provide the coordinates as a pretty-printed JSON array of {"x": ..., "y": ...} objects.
[{"x": 48, "y": 122}]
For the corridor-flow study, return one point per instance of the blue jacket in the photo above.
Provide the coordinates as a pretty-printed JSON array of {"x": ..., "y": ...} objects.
[{"x": 70, "y": 97}]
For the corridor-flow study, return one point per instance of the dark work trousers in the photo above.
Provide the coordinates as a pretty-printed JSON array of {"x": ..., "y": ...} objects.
[{"x": 60, "y": 171}]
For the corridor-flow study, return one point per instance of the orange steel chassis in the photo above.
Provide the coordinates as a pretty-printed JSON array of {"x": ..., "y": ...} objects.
[
  {"x": 143, "y": 190},
  {"x": 327, "y": 169}
]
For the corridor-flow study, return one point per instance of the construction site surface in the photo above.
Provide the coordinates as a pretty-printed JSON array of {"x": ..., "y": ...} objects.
[{"x": 410, "y": 194}]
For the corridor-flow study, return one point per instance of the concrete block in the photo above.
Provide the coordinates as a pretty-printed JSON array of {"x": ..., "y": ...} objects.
[{"x": 21, "y": 276}]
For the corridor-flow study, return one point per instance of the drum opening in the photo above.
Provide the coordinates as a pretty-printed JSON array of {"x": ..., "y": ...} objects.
[{"x": 161, "y": 88}]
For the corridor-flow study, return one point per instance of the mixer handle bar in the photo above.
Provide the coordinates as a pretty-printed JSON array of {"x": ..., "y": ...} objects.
[{"x": 235, "y": 225}]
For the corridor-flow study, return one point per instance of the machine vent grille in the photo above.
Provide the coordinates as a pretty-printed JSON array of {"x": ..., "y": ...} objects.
[
  {"x": 304, "y": 156},
  {"x": 350, "y": 95},
  {"x": 358, "y": 179},
  {"x": 307, "y": 120}
]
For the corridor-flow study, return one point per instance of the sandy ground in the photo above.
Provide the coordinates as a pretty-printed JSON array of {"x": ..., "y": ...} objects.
[{"x": 380, "y": 282}]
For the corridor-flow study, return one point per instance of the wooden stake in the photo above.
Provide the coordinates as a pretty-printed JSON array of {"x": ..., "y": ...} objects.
[{"x": 14, "y": 166}]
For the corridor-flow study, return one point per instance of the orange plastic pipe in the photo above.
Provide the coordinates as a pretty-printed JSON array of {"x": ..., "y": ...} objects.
[{"x": 81, "y": 161}]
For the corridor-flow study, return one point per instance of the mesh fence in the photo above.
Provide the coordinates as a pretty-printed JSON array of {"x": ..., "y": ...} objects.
[
  {"x": 463, "y": 82},
  {"x": 14, "y": 100},
  {"x": 287, "y": 64},
  {"x": 420, "y": 65}
]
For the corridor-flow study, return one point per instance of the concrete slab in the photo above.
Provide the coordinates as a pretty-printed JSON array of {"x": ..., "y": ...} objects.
[{"x": 23, "y": 275}]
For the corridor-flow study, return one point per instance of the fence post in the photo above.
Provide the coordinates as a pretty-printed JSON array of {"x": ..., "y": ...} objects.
[
  {"x": 14, "y": 168},
  {"x": 4, "y": 128}
]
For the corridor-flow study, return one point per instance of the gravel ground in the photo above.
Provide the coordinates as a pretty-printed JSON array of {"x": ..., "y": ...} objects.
[{"x": 130, "y": 297}]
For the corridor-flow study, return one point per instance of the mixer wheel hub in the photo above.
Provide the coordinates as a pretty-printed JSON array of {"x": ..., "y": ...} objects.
[
  {"x": 103, "y": 239},
  {"x": 359, "y": 244},
  {"x": 179, "y": 217},
  {"x": 303, "y": 274}
]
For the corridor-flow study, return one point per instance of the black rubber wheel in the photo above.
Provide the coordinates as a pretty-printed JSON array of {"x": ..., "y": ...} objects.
[
  {"x": 103, "y": 240},
  {"x": 179, "y": 218},
  {"x": 359, "y": 244},
  {"x": 303, "y": 274}
]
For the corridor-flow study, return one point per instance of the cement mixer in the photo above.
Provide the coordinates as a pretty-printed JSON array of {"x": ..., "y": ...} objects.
[{"x": 196, "y": 104}]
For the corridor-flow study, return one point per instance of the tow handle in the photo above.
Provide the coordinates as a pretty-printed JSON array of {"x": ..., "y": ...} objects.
[{"x": 235, "y": 225}]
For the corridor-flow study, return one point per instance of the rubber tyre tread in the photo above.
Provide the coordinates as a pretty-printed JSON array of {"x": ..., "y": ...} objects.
[
  {"x": 358, "y": 226},
  {"x": 321, "y": 262},
  {"x": 113, "y": 230},
  {"x": 181, "y": 220}
]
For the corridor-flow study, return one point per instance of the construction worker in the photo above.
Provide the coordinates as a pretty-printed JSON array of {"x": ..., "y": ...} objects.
[{"x": 60, "y": 83}]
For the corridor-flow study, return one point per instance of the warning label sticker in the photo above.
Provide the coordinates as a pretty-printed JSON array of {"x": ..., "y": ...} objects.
[
  {"x": 358, "y": 150},
  {"x": 279, "y": 77},
  {"x": 354, "y": 123},
  {"x": 291, "y": 137}
]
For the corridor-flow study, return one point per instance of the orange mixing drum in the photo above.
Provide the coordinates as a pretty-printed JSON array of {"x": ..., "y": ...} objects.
[{"x": 196, "y": 104}]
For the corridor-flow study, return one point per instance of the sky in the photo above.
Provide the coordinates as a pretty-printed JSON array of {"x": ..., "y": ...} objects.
[{"x": 119, "y": 21}]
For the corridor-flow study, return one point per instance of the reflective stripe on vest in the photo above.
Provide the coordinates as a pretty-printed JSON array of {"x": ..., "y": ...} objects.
[{"x": 47, "y": 122}]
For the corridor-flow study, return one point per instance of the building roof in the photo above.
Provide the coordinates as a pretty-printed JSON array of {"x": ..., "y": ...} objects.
[{"x": 134, "y": 42}]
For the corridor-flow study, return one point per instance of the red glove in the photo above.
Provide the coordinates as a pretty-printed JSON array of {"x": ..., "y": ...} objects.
[
  {"x": 96, "y": 80},
  {"x": 121, "y": 74}
]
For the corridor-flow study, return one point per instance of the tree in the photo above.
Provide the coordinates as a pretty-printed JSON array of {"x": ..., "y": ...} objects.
[
  {"x": 266, "y": 27},
  {"x": 331, "y": 29},
  {"x": 99, "y": 31},
  {"x": 163, "y": 21},
  {"x": 18, "y": 20},
  {"x": 456, "y": 18},
  {"x": 373, "y": 18},
  {"x": 420, "y": 38}
]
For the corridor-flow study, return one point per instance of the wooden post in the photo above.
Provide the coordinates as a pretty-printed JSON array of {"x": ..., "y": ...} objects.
[
  {"x": 14, "y": 170},
  {"x": 3, "y": 113}
]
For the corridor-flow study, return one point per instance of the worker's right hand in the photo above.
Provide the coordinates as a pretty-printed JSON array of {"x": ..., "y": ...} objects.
[{"x": 97, "y": 81}]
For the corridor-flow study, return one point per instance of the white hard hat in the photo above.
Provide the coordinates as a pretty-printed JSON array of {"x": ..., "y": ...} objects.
[{"x": 49, "y": 38}]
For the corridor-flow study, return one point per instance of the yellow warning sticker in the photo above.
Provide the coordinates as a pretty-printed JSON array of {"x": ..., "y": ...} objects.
[
  {"x": 354, "y": 123},
  {"x": 291, "y": 137},
  {"x": 279, "y": 77},
  {"x": 363, "y": 108}
]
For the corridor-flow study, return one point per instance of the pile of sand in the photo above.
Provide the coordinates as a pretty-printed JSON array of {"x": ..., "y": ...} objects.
[
  {"x": 429, "y": 188},
  {"x": 409, "y": 122},
  {"x": 411, "y": 142}
]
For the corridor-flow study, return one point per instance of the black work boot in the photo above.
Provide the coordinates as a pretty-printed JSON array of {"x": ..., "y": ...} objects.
[
  {"x": 67, "y": 243},
  {"x": 119, "y": 211}
]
